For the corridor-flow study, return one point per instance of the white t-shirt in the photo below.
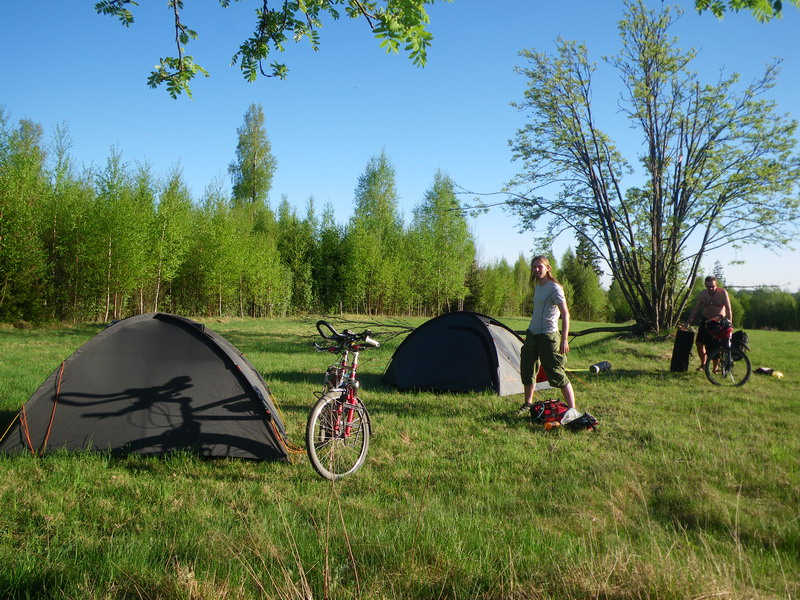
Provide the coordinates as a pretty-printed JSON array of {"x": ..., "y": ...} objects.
[{"x": 546, "y": 298}]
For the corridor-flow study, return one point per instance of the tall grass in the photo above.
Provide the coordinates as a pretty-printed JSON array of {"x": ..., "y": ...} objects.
[{"x": 685, "y": 491}]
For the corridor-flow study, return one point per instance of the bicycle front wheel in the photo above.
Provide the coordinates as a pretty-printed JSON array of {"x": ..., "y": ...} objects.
[
  {"x": 337, "y": 436},
  {"x": 728, "y": 367}
]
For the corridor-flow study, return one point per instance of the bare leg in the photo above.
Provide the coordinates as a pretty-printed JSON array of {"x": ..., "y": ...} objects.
[
  {"x": 529, "y": 393},
  {"x": 701, "y": 352},
  {"x": 569, "y": 395}
]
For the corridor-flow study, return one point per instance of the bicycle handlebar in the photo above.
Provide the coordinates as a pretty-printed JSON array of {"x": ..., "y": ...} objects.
[
  {"x": 335, "y": 334},
  {"x": 345, "y": 337}
]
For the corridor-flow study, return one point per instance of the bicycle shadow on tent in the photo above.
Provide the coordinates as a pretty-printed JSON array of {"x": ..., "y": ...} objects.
[
  {"x": 312, "y": 382},
  {"x": 161, "y": 419}
]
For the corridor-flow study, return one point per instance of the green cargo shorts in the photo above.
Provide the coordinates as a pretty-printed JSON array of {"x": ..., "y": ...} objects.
[{"x": 543, "y": 347}]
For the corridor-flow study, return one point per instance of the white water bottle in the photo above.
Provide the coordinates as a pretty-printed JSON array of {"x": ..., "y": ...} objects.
[{"x": 600, "y": 367}]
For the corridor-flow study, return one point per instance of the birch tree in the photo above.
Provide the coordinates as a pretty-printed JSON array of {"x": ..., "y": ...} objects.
[
  {"x": 374, "y": 239},
  {"x": 441, "y": 247},
  {"x": 22, "y": 192},
  {"x": 255, "y": 165},
  {"x": 171, "y": 232}
]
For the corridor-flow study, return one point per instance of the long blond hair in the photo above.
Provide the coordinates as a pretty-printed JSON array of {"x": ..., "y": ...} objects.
[{"x": 546, "y": 262}]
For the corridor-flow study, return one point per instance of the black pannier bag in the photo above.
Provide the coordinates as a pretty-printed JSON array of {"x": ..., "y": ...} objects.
[
  {"x": 585, "y": 421},
  {"x": 740, "y": 341}
]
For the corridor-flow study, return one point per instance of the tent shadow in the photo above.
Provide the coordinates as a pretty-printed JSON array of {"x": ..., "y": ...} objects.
[{"x": 374, "y": 381}]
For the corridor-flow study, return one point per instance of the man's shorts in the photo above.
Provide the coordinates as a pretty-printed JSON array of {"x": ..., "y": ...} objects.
[
  {"x": 704, "y": 336},
  {"x": 543, "y": 347},
  {"x": 702, "y": 332}
]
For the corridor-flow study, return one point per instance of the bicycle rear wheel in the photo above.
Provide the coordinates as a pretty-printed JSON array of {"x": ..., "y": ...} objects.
[
  {"x": 732, "y": 367},
  {"x": 337, "y": 436}
]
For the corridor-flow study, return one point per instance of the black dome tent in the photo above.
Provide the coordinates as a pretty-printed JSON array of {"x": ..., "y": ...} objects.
[
  {"x": 152, "y": 384},
  {"x": 458, "y": 352}
]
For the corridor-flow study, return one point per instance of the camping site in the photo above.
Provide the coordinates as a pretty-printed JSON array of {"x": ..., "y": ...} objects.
[{"x": 685, "y": 490}]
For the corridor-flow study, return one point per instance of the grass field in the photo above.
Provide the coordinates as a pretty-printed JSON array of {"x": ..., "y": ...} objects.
[{"x": 685, "y": 491}]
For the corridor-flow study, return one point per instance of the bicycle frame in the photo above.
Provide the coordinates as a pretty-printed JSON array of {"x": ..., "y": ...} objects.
[
  {"x": 348, "y": 382},
  {"x": 339, "y": 427}
]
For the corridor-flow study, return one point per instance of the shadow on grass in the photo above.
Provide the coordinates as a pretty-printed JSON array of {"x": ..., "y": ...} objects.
[
  {"x": 87, "y": 331},
  {"x": 513, "y": 420},
  {"x": 619, "y": 375},
  {"x": 314, "y": 381},
  {"x": 687, "y": 510},
  {"x": 368, "y": 381},
  {"x": 195, "y": 467},
  {"x": 252, "y": 342},
  {"x": 32, "y": 585},
  {"x": 6, "y": 418},
  {"x": 374, "y": 381}
]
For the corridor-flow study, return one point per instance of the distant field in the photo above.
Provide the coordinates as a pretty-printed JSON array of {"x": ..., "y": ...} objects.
[{"x": 685, "y": 491}]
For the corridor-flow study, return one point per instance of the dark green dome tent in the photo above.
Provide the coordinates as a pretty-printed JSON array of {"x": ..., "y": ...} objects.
[
  {"x": 458, "y": 352},
  {"x": 152, "y": 384}
]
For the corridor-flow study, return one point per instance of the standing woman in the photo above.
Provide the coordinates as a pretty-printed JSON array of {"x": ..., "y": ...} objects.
[{"x": 542, "y": 340}]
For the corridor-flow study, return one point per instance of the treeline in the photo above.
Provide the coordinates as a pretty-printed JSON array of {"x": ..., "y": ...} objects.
[
  {"x": 103, "y": 243},
  {"x": 768, "y": 308},
  {"x": 763, "y": 307},
  {"x": 80, "y": 244}
]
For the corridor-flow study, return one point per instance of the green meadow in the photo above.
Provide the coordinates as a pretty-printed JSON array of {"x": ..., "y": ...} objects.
[{"x": 685, "y": 491}]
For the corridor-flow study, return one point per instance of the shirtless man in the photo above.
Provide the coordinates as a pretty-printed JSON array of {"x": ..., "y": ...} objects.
[{"x": 715, "y": 303}]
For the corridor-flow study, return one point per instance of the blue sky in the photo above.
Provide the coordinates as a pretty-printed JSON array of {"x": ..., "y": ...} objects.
[{"x": 62, "y": 64}]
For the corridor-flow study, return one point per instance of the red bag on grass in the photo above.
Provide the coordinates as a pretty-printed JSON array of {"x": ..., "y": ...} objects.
[{"x": 548, "y": 411}]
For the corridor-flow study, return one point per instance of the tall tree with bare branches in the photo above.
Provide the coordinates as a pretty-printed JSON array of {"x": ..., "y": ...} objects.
[{"x": 718, "y": 166}]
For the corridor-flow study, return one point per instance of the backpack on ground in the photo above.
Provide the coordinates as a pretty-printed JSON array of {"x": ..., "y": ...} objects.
[{"x": 548, "y": 411}]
